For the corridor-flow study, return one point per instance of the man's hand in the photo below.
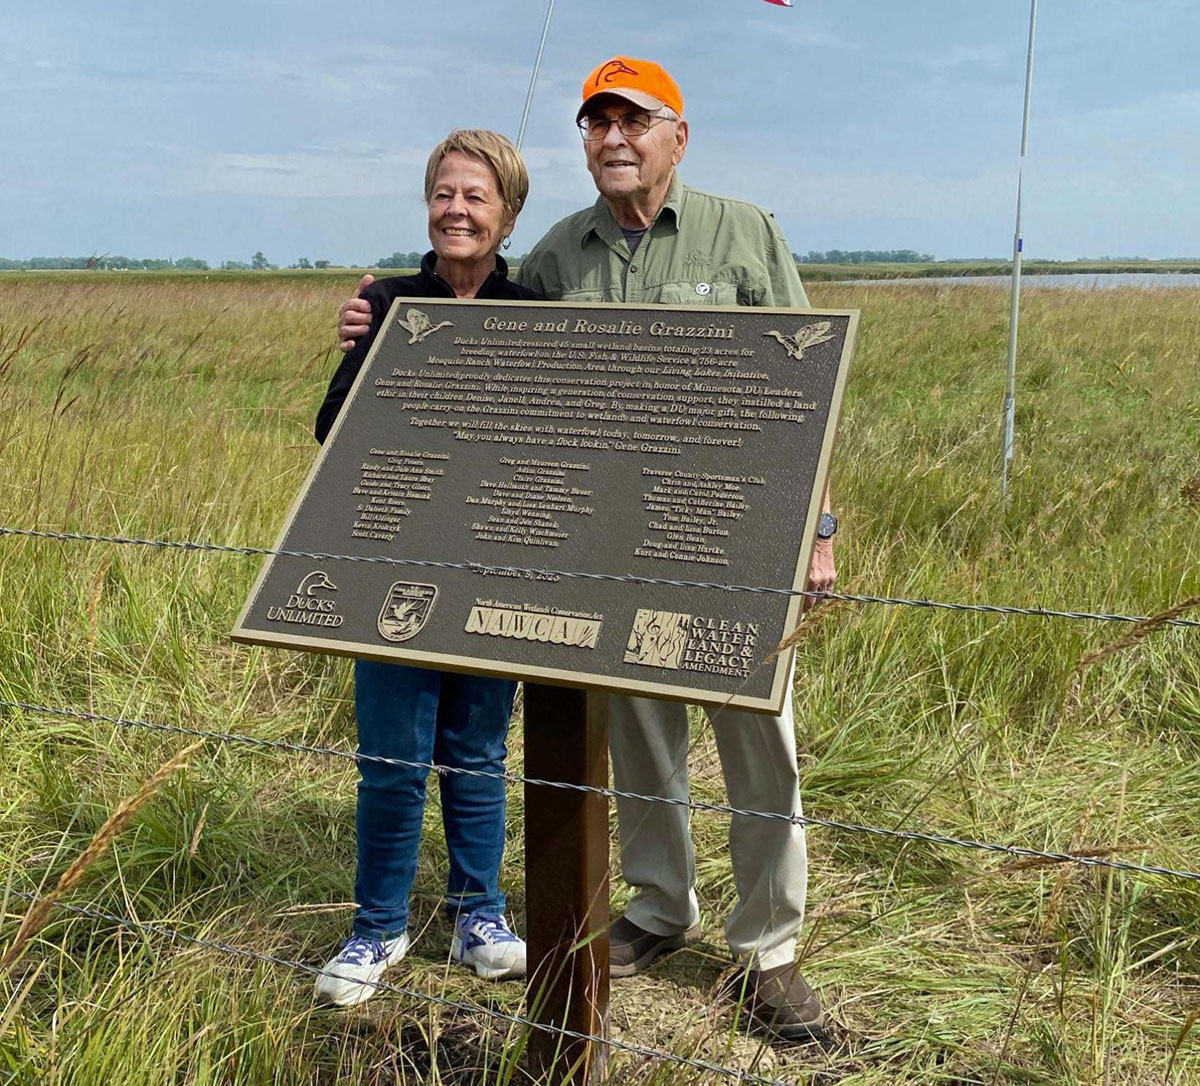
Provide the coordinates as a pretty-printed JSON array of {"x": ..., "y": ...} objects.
[
  {"x": 822, "y": 573},
  {"x": 354, "y": 318}
]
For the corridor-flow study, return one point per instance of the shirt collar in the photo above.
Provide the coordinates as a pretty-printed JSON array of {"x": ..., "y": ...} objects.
[
  {"x": 600, "y": 222},
  {"x": 492, "y": 282}
]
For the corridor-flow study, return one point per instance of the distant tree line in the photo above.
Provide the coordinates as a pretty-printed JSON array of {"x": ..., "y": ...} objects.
[
  {"x": 102, "y": 263},
  {"x": 400, "y": 260},
  {"x": 258, "y": 262},
  {"x": 864, "y": 256}
]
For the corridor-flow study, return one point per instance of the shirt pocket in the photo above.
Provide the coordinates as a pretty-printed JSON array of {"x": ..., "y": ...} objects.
[
  {"x": 591, "y": 295},
  {"x": 697, "y": 292}
]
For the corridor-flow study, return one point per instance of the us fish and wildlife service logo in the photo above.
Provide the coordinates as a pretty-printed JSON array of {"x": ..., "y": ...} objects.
[
  {"x": 406, "y": 610},
  {"x": 658, "y": 638}
]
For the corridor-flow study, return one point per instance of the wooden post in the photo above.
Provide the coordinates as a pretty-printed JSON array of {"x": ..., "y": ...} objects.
[{"x": 566, "y": 882}]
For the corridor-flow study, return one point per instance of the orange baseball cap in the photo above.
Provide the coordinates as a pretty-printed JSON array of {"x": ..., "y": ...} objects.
[{"x": 642, "y": 82}]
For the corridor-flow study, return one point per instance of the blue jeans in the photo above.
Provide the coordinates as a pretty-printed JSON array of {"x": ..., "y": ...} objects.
[{"x": 419, "y": 715}]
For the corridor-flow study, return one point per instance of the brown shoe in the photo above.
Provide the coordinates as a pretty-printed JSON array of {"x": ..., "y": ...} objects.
[
  {"x": 631, "y": 949},
  {"x": 779, "y": 1002}
]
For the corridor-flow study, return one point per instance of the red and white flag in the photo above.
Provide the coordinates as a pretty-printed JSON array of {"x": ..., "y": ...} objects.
[{"x": 781, "y": 3}]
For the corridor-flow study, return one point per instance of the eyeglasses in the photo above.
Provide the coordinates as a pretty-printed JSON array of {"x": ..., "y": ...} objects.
[{"x": 630, "y": 124}]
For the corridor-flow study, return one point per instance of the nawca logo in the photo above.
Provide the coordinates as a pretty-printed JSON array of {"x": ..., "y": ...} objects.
[{"x": 406, "y": 610}]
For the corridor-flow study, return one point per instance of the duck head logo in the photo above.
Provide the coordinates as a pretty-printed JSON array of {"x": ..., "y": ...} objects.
[
  {"x": 611, "y": 70},
  {"x": 317, "y": 581}
]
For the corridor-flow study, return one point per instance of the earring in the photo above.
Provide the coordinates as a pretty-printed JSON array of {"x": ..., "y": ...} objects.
[{"x": 506, "y": 243}]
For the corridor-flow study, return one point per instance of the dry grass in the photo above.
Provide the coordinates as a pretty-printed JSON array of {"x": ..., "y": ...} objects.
[{"x": 39, "y": 912}]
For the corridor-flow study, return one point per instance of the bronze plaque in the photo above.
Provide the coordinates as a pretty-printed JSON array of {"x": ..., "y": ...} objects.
[{"x": 514, "y": 445}]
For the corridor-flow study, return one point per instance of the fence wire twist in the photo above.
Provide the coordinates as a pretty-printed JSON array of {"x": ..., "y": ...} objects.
[
  {"x": 643, "y": 1051},
  {"x": 1016, "y": 851},
  {"x": 628, "y": 578}
]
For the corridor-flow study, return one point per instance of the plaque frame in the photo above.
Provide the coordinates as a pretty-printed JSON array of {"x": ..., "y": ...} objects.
[{"x": 772, "y": 703}]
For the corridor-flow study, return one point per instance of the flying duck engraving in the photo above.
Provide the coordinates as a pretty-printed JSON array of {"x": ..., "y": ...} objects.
[
  {"x": 418, "y": 325},
  {"x": 405, "y": 619},
  {"x": 808, "y": 336}
]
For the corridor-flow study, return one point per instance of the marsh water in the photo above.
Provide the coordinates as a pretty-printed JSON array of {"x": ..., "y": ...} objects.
[{"x": 1081, "y": 281}]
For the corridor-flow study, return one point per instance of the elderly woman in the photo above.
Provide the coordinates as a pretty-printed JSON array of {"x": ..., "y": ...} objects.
[{"x": 475, "y": 185}]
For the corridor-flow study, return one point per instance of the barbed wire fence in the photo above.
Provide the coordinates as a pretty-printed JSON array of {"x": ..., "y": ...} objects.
[
  {"x": 627, "y": 578},
  {"x": 1094, "y": 858},
  {"x": 1016, "y": 851}
]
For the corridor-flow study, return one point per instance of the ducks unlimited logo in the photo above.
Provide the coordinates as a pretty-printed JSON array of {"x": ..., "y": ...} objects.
[
  {"x": 714, "y": 646},
  {"x": 310, "y": 604}
]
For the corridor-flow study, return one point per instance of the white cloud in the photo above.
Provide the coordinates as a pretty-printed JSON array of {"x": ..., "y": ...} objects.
[
  {"x": 315, "y": 173},
  {"x": 793, "y": 30},
  {"x": 963, "y": 56},
  {"x": 556, "y": 173},
  {"x": 806, "y": 195}
]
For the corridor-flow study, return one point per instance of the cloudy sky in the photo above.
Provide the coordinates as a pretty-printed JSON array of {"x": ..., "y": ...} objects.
[{"x": 300, "y": 128}]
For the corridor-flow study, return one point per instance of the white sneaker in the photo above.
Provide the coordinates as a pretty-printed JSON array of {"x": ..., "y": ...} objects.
[
  {"x": 485, "y": 941},
  {"x": 347, "y": 979}
]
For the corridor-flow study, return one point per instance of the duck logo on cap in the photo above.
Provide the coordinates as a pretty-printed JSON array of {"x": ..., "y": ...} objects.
[{"x": 611, "y": 70}]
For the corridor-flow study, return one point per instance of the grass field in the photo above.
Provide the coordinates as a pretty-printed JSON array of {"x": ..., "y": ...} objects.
[{"x": 181, "y": 407}]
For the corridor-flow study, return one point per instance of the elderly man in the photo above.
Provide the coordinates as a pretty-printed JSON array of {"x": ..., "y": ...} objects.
[{"x": 650, "y": 238}]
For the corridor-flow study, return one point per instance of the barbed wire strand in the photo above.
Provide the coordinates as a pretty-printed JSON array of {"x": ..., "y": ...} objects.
[
  {"x": 628, "y": 578},
  {"x": 642, "y": 1051},
  {"x": 1018, "y": 851}
]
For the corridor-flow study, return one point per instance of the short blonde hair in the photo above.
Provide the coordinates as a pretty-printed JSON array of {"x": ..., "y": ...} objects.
[{"x": 493, "y": 150}]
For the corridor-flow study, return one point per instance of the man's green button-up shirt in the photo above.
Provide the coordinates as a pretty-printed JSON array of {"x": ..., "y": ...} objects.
[{"x": 700, "y": 250}]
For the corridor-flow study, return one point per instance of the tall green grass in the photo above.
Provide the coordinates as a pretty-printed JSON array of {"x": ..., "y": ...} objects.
[{"x": 182, "y": 408}]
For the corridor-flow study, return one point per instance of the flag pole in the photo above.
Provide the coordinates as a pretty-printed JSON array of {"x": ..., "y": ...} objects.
[
  {"x": 1010, "y": 390},
  {"x": 533, "y": 76}
]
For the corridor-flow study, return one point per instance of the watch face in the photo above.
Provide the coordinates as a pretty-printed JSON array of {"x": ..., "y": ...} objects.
[{"x": 826, "y": 526}]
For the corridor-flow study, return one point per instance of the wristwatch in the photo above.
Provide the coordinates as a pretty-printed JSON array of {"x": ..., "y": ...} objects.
[{"x": 827, "y": 526}]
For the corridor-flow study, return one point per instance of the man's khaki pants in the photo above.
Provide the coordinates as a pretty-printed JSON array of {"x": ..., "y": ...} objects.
[{"x": 649, "y": 743}]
